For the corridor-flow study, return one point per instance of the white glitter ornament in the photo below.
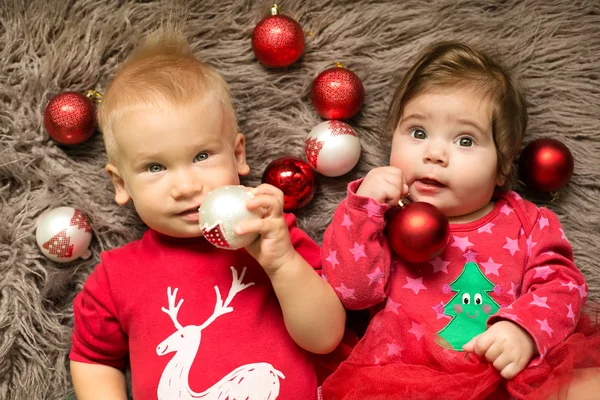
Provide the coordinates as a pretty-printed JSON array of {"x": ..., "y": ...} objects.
[
  {"x": 64, "y": 234},
  {"x": 222, "y": 210},
  {"x": 332, "y": 148}
]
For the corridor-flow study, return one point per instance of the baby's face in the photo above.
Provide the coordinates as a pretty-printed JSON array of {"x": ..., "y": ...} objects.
[
  {"x": 444, "y": 146},
  {"x": 169, "y": 159}
]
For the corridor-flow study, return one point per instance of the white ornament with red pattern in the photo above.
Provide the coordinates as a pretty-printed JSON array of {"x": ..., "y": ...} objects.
[
  {"x": 222, "y": 210},
  {"x": 332, "y": 148},
  {"x": 64, "y": 234}
]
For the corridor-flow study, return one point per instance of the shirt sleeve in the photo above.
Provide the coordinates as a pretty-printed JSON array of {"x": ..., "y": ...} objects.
[
  {"x": 356, "y": 255},
  {"x": 553, "y": 289},
  {"x": 97, "y": 334},
  {"x": 304, "y": 245}
]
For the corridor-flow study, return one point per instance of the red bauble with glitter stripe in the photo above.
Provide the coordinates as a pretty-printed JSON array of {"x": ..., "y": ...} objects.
[
  {"x": 337, "y": 93},
  {"x": 69, "y": 118},
  {"x": 277, "y": 40}
]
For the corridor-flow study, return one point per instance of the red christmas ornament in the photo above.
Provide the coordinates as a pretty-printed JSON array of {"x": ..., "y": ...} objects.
[
  {"x": 69, "y": 118},
  {"x": 546, "y": 165},
  {"x": 337, "y": 93},
  {"x": 277, "y": 40},
  {"x": 295, "y": 178},
  {"x": 417, "y": 232}
]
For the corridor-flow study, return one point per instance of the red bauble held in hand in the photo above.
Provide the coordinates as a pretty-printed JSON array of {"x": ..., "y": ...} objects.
[
  {"x": 295, "y": 178},
  {"x": 546, "y": 165},
  {"x": 278, "y": 41},
  {"x": 69, "y": 118},
  {"x": 417, "y": 232},
  {"x": 337, "y": 93}
]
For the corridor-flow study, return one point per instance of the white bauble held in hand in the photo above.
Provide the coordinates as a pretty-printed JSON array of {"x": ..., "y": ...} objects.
[
  {"x": 64, "y": 234},
  {"x": 332, "y": 148},
  {"x": 222, "y": 210}
]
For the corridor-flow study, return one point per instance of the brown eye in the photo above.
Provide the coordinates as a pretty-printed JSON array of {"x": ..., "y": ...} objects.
[
  {"x": 465, "y": 142},
  {"x": 418, "y": 133}
]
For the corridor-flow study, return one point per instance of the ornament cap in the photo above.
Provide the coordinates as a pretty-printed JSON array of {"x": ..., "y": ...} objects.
[
  {"x": 339, "y": 64},
  {"x": 274, "y": 9},
  {"x": 94, "y": 95}
]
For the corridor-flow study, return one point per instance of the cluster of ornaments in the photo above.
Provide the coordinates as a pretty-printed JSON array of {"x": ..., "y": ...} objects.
[{"x": 416, "y": 231}]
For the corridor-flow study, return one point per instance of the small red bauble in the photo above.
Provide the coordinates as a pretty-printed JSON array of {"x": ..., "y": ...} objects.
[
  {"x": 277, "y": 40},
  {"x": 337, "y": 93},
  {"x": 69, "y": 118},
  {"x": 417, "y": 232},
  {"x": 546, "y": 165},
  {"x": 295, "y": 178}
]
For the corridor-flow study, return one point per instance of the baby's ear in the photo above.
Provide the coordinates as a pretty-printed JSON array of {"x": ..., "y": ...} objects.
[
  {"x": 121, "y": 194},
  {"x": 239, "y": 150}
]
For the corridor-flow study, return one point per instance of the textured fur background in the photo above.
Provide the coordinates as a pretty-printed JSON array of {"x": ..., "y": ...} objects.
[{"x": 49, "y": 46}]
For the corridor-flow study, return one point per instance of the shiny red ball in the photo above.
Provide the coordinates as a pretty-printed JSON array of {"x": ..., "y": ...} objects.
[
  {"x": 295, "y": 178},
  {"x": 69, "y": 118},
  {"x": 417, "y": 232},
  {"x": 278, "y": 41},
  {"x": 337, "y": 93},
  {"x": 546, "y": 165}
]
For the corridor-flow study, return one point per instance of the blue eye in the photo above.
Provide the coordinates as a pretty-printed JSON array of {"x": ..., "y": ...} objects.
[
  {"x": 418, "y": 133},
  {"x": 155, "y": 168},
  {"x": 201, "y": 156},
  {"x": 465, "y": 141}
]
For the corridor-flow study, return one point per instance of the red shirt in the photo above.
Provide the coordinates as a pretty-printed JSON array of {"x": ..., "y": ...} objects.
[
  {"x": 514, "y": 263},
  {"x": 156, "y": 301}
]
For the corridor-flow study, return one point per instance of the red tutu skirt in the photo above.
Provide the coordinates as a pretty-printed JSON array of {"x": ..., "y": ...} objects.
[{"x": 438, "y": 373}]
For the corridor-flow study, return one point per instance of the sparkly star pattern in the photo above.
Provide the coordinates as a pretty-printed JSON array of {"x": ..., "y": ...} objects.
[
  {"x": 543, "y": 223},
  {"x": 417, "y": 330},
  {"x": 439, "y": 311},
  {"x": 332, "y": 258},
  {"x": 358, "y": 251},
  {"x": 486, "y": 228},
  {"x": 372, "y": 208},
  {"x": 461, "y": 243},
  {"x": 439, "y": 265},
  {"x": 571, "y": 314},
  {"x": 543, "y": 272},
  {"x": 394, "y": 349},
  {"x": 545, "y": 327},
  {"x": 347, "y": 223},
  {"x": 339, "y": 128},
  {"x": 470, "y": 256},
  {"x": 375, "y": 276},
  {"x": 312, "y": 148},
  {"x": 580, "y": 288},
  {"x": 530, "y": 244},
  {"x": 415, "y": 285},
  {"x": 511, "y": 245},
  {"x": 345, "y": 292},
  {"x": 392, "y": 306},
  {"x": 540, "y": 301},
  {"x": 506, "y": 210},
  {"x": 491, "y": 267}
]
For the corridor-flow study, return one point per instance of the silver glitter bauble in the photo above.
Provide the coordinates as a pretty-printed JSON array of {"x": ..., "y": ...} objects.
[
  {"x": 64, "y": 234},
  {"x": 223, "y": 209}
]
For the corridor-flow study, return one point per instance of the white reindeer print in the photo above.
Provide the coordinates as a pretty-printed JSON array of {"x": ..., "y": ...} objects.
[{"x": 258, "y": 381}]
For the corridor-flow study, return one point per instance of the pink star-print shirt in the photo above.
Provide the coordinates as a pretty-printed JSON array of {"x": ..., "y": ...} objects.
[{"x": 520, "y": 248}]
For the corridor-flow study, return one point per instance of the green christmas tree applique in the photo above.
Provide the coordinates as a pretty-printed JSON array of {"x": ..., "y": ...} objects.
[{"x": 470, "y": 307}]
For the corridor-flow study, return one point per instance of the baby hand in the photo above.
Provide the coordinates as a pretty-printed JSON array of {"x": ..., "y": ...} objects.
[
  {"x": 505, "y": 344},
  {"x": 273, "y": 248},
  {"x": 385, "y": 185}
]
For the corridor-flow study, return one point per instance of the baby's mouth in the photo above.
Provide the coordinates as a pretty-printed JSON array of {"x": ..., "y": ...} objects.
[{"x": 431, "y": 182}]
